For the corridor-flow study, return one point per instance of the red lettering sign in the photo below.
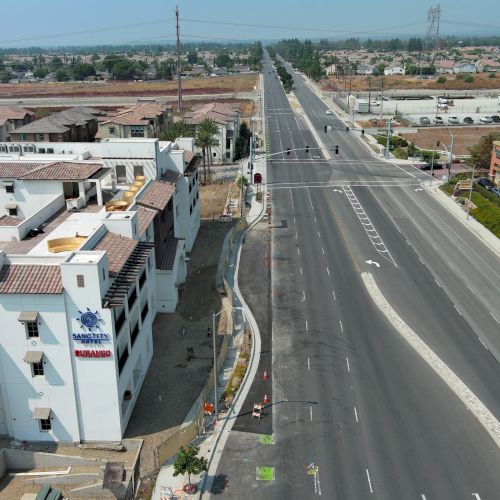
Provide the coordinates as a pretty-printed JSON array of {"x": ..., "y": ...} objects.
[{"x": 92, "y": 354}]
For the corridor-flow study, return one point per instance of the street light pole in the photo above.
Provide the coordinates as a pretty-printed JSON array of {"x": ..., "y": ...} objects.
[{"x": 451, "y": 154}]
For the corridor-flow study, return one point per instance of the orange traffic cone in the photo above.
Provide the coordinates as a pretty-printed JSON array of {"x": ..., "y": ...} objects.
[
  {"x": 266, "y": 399},
  {"x": 266, "y": 376}
]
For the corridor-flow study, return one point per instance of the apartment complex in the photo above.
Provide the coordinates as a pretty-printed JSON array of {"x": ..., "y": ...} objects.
[
  {"x": 85, "y": 265},
  {"x": 12, "y": 117}
]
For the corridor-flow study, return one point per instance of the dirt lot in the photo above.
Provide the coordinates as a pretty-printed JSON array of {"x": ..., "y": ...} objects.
[
  {"x": 213, "y": 198},
  {"x": 481, "y": 81},
  {"x": 209, "y": 85},
  {"x": 464, "y": 137}
]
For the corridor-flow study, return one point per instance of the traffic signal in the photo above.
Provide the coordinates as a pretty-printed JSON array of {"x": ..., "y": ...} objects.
[
  {"x": 336, "y": 150},
  {"x": 307, "y": 149},
  {"x": 326, "y": 129}
]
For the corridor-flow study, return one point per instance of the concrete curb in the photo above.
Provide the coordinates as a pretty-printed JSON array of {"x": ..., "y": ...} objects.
[
  {"x": 468, "y": 398},
  {"x": 234, "y": 410}
]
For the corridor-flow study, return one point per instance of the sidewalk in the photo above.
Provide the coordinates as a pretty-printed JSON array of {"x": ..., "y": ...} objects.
[{"x": 211, "y": 443}]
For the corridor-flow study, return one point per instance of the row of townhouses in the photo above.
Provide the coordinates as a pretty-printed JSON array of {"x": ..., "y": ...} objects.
[{"x": 94, "y": 242}]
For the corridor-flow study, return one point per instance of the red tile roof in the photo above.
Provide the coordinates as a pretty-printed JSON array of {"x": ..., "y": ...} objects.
[
  {"x": 62, "y": 171},
  {"x": 16, "y": 169},
  {"x": 169, "y": 251},
  {"x": 118, "y": 249},
  {"x": 144, "y": 217},
  {"x": 30, "y": 279},
  {"x": 13, "y": 113},
  {"x": 158, "y": 195}
]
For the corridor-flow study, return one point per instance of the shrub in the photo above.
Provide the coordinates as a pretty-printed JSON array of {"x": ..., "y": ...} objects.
[
  {"x": 468, "y": 79},
  {"x": 492, "y": 75},
  {"x": 441, "y": 79}
]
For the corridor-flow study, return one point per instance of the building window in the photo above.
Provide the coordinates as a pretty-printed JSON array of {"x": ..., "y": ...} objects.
[
  {"x": 138, "y": 170},
  {"x": 9, "y": 187},
  {"x": 214, "y": 154},
  {"x": 121, "y": 174},
  {"x": 228, "y": 155},
  {"x": 37, "y": 369},
  {"x": 41, "y": 137},
  {"x": 13, "y": 211},
  {"x": 137, "y": 131},
  {"x": 228, "y": 143},
  {"x": 111, "y": 130},
  {"x": 31, "y": 329},
  {"x": 45, "y": 424},
  {"x": 80, "y": 281},
  {"x": 104, "y": 274}
]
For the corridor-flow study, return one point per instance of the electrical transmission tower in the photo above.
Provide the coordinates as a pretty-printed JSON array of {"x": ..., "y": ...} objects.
[{"x": 432, "y": 36}]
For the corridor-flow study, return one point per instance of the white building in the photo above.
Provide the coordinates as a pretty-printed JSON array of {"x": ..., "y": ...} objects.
[
  {"x": 227, "y": 119},
  {"x": 394, "y": 69},
  {"x": 77, "y": 301},
  {"x": 464, "y": 67}
]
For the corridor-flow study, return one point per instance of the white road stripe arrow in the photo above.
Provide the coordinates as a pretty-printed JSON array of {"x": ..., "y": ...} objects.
[
  {"x": 372, "y": 262},
  {"x": 336, "y": 191},
  {"x": 418, "y": 189}
]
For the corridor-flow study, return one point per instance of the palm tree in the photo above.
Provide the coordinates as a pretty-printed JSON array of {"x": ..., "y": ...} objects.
[
  {"x": 204, "y": 141},
  {"x": 211, "y": 129}
]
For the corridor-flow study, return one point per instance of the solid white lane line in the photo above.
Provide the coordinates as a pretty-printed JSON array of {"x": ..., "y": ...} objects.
[
  {"x": 308, "y": 364},
  {"x": 356, "y": 414},
  {"x": 369, "y": 480},
  {"x": 328, "y": 271},
  {"x": 291, "y": 197},
  {"x": 311, "y": 412},
  {"x": 300, "y": 271},
  {"x": 319, "y": 235},
  {"x": 323, "y": 250},
  {"x": 307, "y": 326},
  {"x": 405, "y": 171},
  {"x": 315, "y": 220},
  {"x": 303, "y": 296},
  {"x": 476, "y": 496},
  {"x": 437, "y": 283},
  {"x": 471, "y": 290},
  {"x": 295, "y": 235},
  {"x": 294, "y": 220},
  {"x": 333, "y": 293},
  {"x": 493, "y": 316},
  {"x": 341, "y": 326},
  {"x": 298, "y": 250},
  {"x": 484, "y": 345},
  {"x": 458, "y": 310},
  {"x": 423, "y": 497},
  {"x": 348, "y": 367}
]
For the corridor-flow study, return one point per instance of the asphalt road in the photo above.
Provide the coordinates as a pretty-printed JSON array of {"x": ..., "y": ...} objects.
[{"x": 356, "y": 412}]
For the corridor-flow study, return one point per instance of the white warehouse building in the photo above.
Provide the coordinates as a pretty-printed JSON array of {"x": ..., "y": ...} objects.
[{"x": 77, "y": 301}]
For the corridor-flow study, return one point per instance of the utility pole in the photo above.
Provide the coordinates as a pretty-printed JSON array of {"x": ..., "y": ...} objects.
[
  {"x": 179, "y": 88},
  {"x": 369, "y": 94},
  {"x": 388, "y": 138},
  {"x": 381, "y": 97}
]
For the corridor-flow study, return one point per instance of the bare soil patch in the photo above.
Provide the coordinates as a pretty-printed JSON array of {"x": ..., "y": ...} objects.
[
  {"x": 213, "y": 199},
  {"x": 361, "y": 83},
  {"x": 464, "y": 137},
  {"x": 209, "y": 85}
]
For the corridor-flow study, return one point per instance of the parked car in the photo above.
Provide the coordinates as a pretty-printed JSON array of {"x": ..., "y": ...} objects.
[
  {"x": 486, "y": 183},
  {"x": 438, "y": 120},
  {"x": 468, "y": 120},
  {"x": 453, "y": 120},
  {"x": 496, "y": 191},
  {"x": 495, "y": 118},
  {"x": 424, "y": 120},
  {"x": 329, "y": 112},
  {"x": 485, "y": 119}
]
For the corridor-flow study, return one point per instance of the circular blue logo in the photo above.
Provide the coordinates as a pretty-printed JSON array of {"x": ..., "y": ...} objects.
[{"x": 89, "y": 319}]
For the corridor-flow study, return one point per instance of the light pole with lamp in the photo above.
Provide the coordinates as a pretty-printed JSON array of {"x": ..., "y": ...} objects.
[
  {"x": 470, "y": 190},
  {"x": 450, "y": 153},
  {"x": 214, "y": 315}
]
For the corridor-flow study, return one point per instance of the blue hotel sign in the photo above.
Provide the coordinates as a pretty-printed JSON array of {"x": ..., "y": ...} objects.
[{"x": 89, "y": 320}]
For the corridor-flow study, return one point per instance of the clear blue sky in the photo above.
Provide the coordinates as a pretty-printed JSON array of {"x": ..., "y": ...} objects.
[{"x": 37, "y": 18}]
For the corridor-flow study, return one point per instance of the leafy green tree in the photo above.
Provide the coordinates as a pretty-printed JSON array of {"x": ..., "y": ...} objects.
[
  {"x": 124, "y": 70},
  {"x": 55, "y": 63},
  {"x": 205, "y": 139},
  {"x": 40, "y": 72},
  {"x": 210, "y": 128},
  {"x": 441, "y": 79},
  {"x": 5, "y": 76},
  {"x": 241, "y": 181},
  {"x": 480, "y": 153},
  {"x": 192, "y": 57},
  {"x": 62, "y": 75},
  {"x": 188, "y": 462},
  {"x": 82, "y": 70},
  {"x": 165, "y": 70},
  {"x": 223, "y": 60},
  {"x": 175, "y": 130}
]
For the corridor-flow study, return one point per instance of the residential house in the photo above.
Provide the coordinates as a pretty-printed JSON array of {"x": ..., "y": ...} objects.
[
  {"x": 331, "y": 69},
  {"x": 444, "y": 67},
  {"x": 144, "y": 120},
  {"x": 394, "y": 69},
  {"x": 488, "y": 66},
  {"x": 12, "y": 117},
  {"x": 364, "y": 69},
  {"x": 227, "y": 119},
  {"x": 464, "y": 67},
  {"x": 71, "y": 125}
]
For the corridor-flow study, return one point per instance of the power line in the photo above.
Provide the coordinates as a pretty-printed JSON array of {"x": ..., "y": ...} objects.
[{"x": 96, "y": 30}]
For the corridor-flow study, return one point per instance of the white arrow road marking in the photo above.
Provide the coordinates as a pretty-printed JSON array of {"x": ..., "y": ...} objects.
[
  {"x": 336, "y": 191},
  {"x": 418, "y": 189},
  {"x": 372, "y": 262},
  {"x": 476, "y": 496}
]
